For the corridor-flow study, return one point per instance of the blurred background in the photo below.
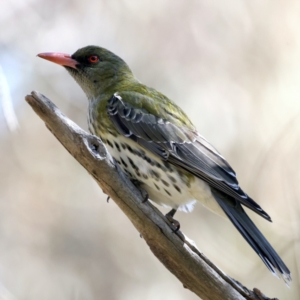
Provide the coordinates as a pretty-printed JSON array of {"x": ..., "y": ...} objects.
[{"x": 233, "y": 66}]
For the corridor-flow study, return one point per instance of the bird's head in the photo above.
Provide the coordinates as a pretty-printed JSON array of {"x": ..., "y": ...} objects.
[{"x": 94, "y": 68}]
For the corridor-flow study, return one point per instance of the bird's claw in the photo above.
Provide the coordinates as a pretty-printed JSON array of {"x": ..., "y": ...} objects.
[
  {"x": 175, "y": 225},
  {"x": 145, "y": 195},
  {"x": 143, "y": 192}
]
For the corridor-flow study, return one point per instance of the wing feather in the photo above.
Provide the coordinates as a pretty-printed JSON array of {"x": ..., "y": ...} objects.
[{"x": 180, "y": 146}]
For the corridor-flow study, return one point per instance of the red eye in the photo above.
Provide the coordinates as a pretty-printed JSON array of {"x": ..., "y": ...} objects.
[{"x": 93, "y": 59}]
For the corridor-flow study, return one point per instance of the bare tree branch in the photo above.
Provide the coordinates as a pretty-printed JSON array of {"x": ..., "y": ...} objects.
[{"x": 174, "y": 250}]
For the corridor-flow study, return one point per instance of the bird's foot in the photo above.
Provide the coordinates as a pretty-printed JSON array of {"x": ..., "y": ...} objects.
[
  {"x": 107, "y": 199},
  {"x": 143, "y": 192},
  {"x": 170, "y": 216},
  {"x": 144, "y": 195}
]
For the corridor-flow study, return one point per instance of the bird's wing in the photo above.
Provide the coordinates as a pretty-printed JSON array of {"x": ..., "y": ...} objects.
[{"x": 180, "y": 146}]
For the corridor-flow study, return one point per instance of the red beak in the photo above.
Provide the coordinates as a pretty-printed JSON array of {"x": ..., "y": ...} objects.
[{"x": 59, "y": 58}]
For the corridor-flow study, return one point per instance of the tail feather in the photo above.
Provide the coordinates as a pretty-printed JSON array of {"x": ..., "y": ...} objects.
[{"x": 253, "y": 236}]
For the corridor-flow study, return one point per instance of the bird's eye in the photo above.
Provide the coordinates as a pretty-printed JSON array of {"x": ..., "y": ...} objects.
[{"x": 93, "y": 59}]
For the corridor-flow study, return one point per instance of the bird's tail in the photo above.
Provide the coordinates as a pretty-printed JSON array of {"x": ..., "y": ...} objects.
[{"x": 235, "y": 212}]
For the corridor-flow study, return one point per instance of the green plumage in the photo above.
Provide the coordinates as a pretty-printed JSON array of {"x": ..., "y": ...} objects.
[{"x": 113, "y": 75}]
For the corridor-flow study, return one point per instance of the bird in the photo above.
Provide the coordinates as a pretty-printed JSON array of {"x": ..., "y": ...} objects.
[{"x": 158, "y": 147}]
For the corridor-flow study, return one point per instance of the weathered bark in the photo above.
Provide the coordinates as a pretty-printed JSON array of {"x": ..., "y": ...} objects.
[{"x": 174, "y": 250}]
